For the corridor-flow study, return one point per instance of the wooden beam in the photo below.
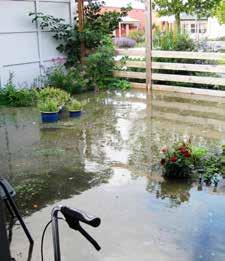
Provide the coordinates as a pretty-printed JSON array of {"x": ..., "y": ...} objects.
[
  {"x": 189, "y": 67},
  {"x": 80, "y": 9},
  {"x": 188, "y": 79},
  {"x": 132, "y": 64},
  {"x": 215, "y": 68},
  {"x": 127, "y": 74},
  {"x": 140, "y": 52},
  {"x": 148, "y": 42},
  {"x": 177, "y": 89},
  {"x": 172, "y": 77},
  {"x": 189, "y": 55}
]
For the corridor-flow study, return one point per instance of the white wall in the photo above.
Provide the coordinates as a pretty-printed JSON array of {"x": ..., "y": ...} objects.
[
  {"x": 215, "y": 30},
  {"x": 24, "y": 48}
]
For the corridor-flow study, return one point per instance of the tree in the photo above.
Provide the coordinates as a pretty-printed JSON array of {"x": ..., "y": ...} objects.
[
  {"x": 201, "y": 8},
  {"x": 220, "y": 12},
  {"x": 172, "y": 7}
]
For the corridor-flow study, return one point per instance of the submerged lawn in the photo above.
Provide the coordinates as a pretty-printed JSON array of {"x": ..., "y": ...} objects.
[{"x": 106, "y": 163}]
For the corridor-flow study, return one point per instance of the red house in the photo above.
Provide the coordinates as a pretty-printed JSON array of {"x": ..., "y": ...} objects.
[{"x": 134, "y": 21}]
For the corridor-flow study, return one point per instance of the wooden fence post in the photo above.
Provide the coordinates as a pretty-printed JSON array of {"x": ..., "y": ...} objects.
[
  {"x": 148, "y": 42},
  {"x": 80, "y": 7}
]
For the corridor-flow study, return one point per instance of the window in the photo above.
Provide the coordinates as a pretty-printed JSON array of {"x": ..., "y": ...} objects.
[
  {"x": 193, "y": 28},
  {"x": 185, "y": 27},
  {"x": 202, "y": 28}
]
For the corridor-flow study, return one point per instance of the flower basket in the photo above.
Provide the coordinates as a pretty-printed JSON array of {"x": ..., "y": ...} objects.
[
  {"x": 177, "y": 162},
  {"x": 175, "y": 171}
]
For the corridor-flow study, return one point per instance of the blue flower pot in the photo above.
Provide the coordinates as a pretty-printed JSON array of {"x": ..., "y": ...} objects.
[
  {"x": 74, "y": 114},
  {"x": 49, "y": 116}
]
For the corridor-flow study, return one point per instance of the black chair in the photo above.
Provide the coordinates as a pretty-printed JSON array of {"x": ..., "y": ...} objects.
[{"x": 7, "y": 194}]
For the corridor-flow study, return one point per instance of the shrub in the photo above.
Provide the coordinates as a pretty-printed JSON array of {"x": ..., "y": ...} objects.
[
  {"x": 137, "y": 36},
  {"x": 53, "y": 93},
  {"x": 72, "y": 80},
  {"x": 173, "y": 41},
  {"x": 74, "y": 105},
  {"x": 124, "y": 42},
  {"x": 11, "y": 96},
  {"x": 120, "y": 84},
  {"x": 100, "y": 65},
  {"x": 48, "y": 105},
  {"x": 213, "y": 167}
]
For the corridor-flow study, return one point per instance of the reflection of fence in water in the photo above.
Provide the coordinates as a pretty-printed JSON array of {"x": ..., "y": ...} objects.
[
  {"x": 163, "y": 76},
  {"x": 197, "y": 115}
]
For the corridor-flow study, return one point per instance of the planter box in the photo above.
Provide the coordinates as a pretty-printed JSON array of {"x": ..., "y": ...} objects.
[
  {"x": 74, "y": 114},
  {"x": 49, "y": 116},
  {"x": 176, "y": 172}
]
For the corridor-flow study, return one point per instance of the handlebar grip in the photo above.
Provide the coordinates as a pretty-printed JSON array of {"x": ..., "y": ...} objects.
[{"x": 76, "y": 215}]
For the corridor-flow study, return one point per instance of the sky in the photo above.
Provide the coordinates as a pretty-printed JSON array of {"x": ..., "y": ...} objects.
[{"x": 123, "y": 3}]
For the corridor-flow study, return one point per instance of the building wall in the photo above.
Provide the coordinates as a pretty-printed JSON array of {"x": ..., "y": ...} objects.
[
  {"x": 138, "y": 14},
  {"x": 215, "y": 30},
  {"x": 24, "y": 48},
  {"x": 209, "y": 28},
  {"x": 196, "y": 29}
]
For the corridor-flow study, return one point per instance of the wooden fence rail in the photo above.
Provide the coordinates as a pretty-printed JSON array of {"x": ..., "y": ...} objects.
[
  {"x": 140, "y": 52},
  {"x": 161, "y": 76}
]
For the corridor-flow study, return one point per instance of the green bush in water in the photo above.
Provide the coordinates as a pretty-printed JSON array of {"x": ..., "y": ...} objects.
[
  {"x": 74, "y": 105},
  {"x": 56, "y": 94},
  {"x": 10, "y": 95},
  {"x": 49, "y": 105}
]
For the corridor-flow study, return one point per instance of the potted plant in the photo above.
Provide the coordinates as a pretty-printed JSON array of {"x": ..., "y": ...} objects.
[
  {"x": 177, "y": 162},
  {"x": 74, "y": 108},
  {"x": 60, "y": 96},
  {"x": 49, "y": 110}
]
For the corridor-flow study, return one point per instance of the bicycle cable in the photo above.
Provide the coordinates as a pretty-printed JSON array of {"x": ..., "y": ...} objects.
[{"x": 43, "y": 236}]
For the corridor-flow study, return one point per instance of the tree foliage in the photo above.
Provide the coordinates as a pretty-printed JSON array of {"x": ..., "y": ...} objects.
[
  {"x": 220, "y": 12},
  {"x": 201, "y": 8},
  {"x": 172, "y": 7}
]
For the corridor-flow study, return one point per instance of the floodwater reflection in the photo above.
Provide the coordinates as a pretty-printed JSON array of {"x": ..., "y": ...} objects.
[{"x": 107, "y": 163}]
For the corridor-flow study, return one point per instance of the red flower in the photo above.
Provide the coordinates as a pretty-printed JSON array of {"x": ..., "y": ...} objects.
[
  {"x": 163, "y": 161},
  {"x": 173, "y": 159},
  {"x": 186, "y": 154},
  {"x": 182, "y": 149}
]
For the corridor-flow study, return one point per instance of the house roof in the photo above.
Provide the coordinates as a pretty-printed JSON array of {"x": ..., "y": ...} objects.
[
  {"x": 185, "y": 16},
  {"x": 128, "y": 19}
]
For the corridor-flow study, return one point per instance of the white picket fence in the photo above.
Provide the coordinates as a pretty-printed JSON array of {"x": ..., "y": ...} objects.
[{"x": 24, "y": 47}]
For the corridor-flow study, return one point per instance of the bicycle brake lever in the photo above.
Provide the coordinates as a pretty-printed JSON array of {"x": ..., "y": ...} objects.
[
  {"x": 74, "y": 217},
  {"x": 89, "y": 238}
]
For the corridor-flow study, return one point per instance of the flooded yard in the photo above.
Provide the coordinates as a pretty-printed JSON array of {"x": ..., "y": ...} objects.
[{"x": 106, "y": 162}]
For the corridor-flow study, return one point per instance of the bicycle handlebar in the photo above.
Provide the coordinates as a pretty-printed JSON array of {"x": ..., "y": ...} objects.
[{"x": 73, "y": 216}]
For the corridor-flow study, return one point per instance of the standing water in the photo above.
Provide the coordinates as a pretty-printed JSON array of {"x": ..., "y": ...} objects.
[{"x": 105, "y": 162}]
